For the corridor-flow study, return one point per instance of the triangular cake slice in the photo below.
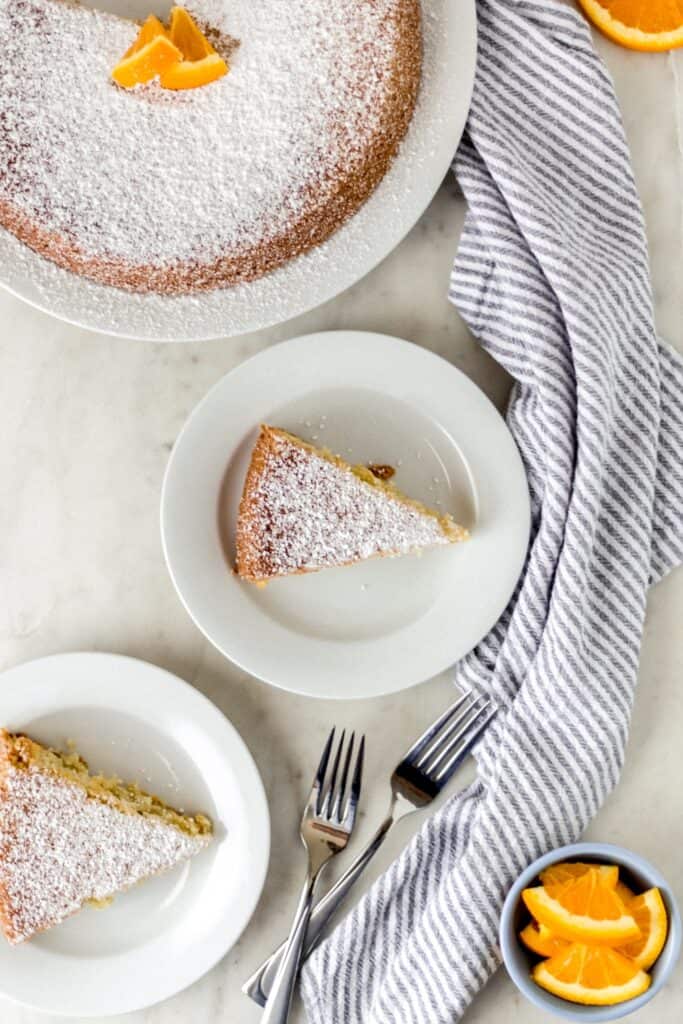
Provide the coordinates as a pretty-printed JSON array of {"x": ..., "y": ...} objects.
[
  {"x": 68, "y": 838},
  {"x": 304, "y": 509}
]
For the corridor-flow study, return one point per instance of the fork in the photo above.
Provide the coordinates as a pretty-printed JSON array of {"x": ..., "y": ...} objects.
[
  {"x": 326, "y": 827},
  {"x": 418, "y": 778}
]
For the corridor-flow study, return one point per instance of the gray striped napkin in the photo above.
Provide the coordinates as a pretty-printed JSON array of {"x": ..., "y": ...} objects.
[{"x": 552, "y": 277}]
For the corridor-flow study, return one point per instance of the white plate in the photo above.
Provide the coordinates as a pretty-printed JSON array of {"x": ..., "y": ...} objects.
[
  {"x": 378, "y": 626},
  {"x": 133, "y": 719},
  {"x": 406, "y": 191}
]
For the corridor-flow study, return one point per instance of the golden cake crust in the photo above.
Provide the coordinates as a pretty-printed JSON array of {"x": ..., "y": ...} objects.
[{"x": 6, "y": 916}]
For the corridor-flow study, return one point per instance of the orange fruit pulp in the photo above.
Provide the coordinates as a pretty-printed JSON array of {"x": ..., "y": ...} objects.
[
  {"x": 185, "y": 34},
  {"x": 583, "y": 909},
  {"x": 200, "y": 65},
  {"x": 541, "y": 940},
  {"x": 638, "y": 24},
  {"x": 146, "y": 62},
  {"x": 592, "y": 975},
  {"x": 563, "y": 872},
  {"x": 189, "y": 74},
  {"x": 651, "y": 917},
  {"x": 151, "y": 28}
]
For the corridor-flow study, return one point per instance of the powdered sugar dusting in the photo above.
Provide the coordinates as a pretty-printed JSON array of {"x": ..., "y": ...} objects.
[
  {"x": 153, "y": 177},
  {"x": 449, "y": 51},
  {"x": 59, "y": 848},
  {"x": 302, "y": 512}
]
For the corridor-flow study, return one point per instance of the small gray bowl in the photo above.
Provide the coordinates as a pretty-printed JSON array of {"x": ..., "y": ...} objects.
[{"x": 636, "y": 873}]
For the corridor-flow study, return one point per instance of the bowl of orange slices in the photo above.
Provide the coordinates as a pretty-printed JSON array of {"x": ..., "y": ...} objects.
[{"x": 590, "y": 932}]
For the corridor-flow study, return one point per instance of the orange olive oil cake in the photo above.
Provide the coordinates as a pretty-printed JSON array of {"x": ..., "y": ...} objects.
[
  {"x": 68, "y": 838},
  {"x": 154, "y": 190},
  {"x": 304, "y": 509}
]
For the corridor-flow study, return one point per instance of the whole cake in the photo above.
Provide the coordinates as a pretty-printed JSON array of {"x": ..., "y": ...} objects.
[
  {"x": 68, "y": 837},
  {"x": 305, "y": 509},
  {"x": 150, "y": 190}
]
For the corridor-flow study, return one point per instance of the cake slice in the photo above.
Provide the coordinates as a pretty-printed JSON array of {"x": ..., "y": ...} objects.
[
  {"x": 68, "y": 838},
  {"x": 304, "y": 509}
]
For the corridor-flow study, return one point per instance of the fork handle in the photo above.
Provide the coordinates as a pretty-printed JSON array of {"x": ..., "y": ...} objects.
[
  {"x": 261, "y": 985},
  {"x": 280, "y": 998}
]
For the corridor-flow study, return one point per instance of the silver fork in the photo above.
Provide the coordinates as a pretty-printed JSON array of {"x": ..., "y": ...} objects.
[
  {"x": 418, "y": 778},
  {"x": 326, "y": 827}
]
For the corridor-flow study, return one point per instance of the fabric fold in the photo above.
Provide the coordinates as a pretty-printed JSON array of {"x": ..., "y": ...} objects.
[{"x": 552, "y": 277}]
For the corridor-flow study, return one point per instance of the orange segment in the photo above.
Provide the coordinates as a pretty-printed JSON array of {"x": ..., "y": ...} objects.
[
  {"x": 563, "y": 872},
  {"x": 150, "y": 61},
  {"x": 185, "y": 34},
  {"x": 592, "y": 975},
  {"x": 583, "y": 909},
  {"x": 626, "y": 894},
  {"x": 182, "y": 57},
  {"x": 650, "y": 914},
  {"x": 638, "y": 24},
  {"x": 150, "y": 29},
  {"x": 541, "y": 940},
  {"x": 188, "y": 74}
]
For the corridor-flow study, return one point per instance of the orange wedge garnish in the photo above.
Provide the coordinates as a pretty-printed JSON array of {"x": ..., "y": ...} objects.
[
  {"x": 638, "y": 24},
  {"x": 150, "y": 29},
  {"x": 201, "y": 64},
  {"x": 541, "y": 940},
  {"x": 583, "y": 909},
  {"x": 180, "y": 57},
  {"x": 592, "y": 975},
  {"x": 623, "y": 890},
  {"x": 188, "y": 74},
  {"x": 563, "y": 872},
  {"x": 650, "y": 914},
  {"x": 185, "y": 34},
  {"x": 150, "y": 61}
]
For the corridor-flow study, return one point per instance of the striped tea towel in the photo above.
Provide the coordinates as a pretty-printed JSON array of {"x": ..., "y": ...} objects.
[{"x": 552, "y": 277}]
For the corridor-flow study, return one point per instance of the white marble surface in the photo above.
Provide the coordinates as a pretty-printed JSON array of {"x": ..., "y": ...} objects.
[{"x": 86, "y": 423}]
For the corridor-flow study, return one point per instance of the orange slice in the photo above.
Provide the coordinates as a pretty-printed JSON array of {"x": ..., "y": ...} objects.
[
  {"x": 592, "y": 975},
  {"x": 650, "y": 914},
  {"x": 563, "y": 872},
  {"x": 188, "y": 74},
  {"x": 151, "y": 28},
  {"x": 583, "y": 909},
  {"x": 638, "y": 24},
  {"x": 182, "y": 57},
  {"x": 150, "y": 61},
  {"x": 626, "y": 894},
  {"x": 541, "y": 940},
  {"x": 185, "y": 34}
]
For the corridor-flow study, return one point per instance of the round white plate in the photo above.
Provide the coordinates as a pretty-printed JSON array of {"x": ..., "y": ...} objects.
[
  {"x": 132, "y": 719},
  {"x": 449, "y": 31},
  {"x": 377, "y": 626}
]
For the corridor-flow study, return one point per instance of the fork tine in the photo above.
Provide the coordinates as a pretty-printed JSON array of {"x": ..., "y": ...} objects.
[
  {"x": 319, "y": 780},
  {"x": 441, "y": 752},
  {"x": 358, "y": 774},
  {"x": 357, "y": 782},
  {"x": 463, "y": 748},
  {"x": 429, "y": 734},
  {"x": 466, "y": 715},
  {"x": 329, "y": 789},
  {"x": 336, "y": 810}
]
